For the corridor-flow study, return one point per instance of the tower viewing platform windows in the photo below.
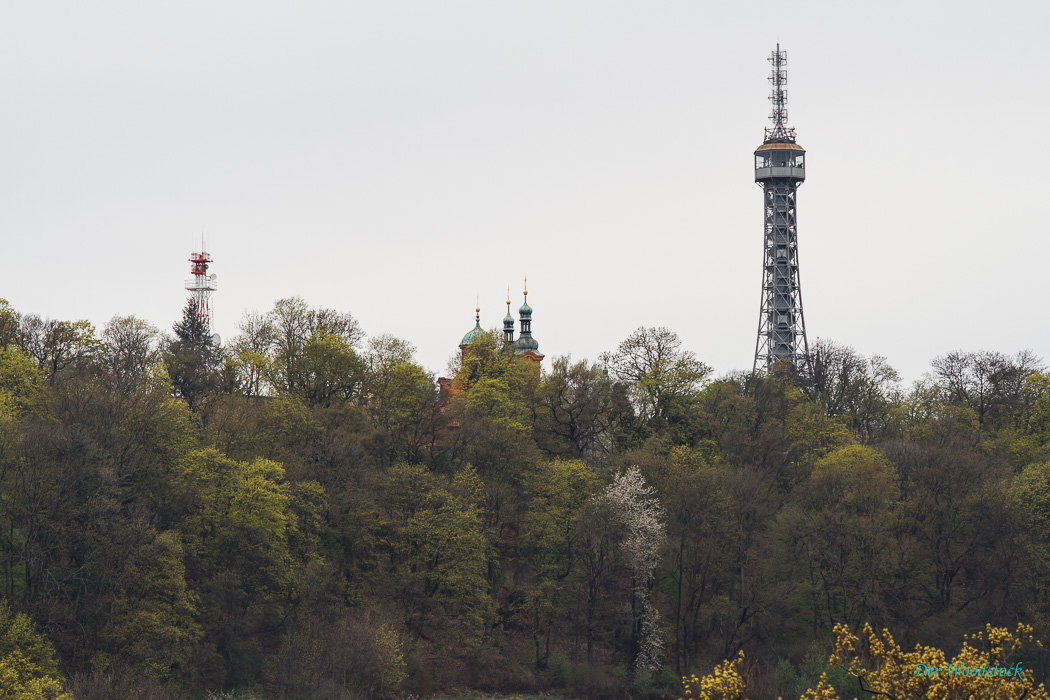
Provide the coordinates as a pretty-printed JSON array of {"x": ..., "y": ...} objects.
[{"x": 776, "y": 160}]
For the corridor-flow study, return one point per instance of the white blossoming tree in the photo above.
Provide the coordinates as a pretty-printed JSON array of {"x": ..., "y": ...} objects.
[{"x": 636, "y": 507}]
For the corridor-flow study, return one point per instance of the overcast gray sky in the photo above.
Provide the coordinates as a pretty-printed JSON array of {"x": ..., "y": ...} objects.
[{"x": 396, "y": 159}]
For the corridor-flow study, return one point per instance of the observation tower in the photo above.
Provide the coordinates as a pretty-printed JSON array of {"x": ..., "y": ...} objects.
[{"x": 779, "y": 170}]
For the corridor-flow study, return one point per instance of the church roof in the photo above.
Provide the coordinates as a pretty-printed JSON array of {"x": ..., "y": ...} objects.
[{"x": 475, "y": 332}]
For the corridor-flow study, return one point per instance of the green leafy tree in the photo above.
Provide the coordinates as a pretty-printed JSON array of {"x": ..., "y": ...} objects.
[
  {"x": 192, "y": 361},
  {"x": 252, "y": 354},
  {"x": 1026, "y": 439},
  {"x": 703, "y": 547},
  {"x": 287, "y": 332},
  {"x": 444, "y": 555},
  {"x": 948, "y": 506},
  {"x": 57, "y": 346},
  {"x": 153, "y": 625},
  {"x": 862, "y": 392},
  {"x": 129, "y": 353},
  {"x": 90, "y": 471},
  {"x": 20, "y": 380},
  {"x": 326, "y": 370},
  {"x": 28, "y": 669},
  {"x": 1028, "y": 496},
  {"x": 990, "y": 383},
  {"x": 838, "y": 538},
  {"x": 660, "y": 374},
  {"x": 598, "y": 613},
  {"x": 810, "y": 435},
  {"x": 240, "y": 518},
  {"x": 575, "y": 410},
  {"x": 556, "y": 491},
  {"x": 403, "y": 407},
  {"x": 10, "y": 324},
  {"x": 487, "y": 357},
  {"x": 239, "y": 533}
]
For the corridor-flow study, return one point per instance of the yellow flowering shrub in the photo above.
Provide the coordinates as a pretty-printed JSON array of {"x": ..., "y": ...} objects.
[
  {"x": 884, "y": 669},
  {"x": 723, "y": 683}
]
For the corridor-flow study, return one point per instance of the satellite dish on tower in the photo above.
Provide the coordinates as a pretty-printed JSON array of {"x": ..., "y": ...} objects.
[
  {"x": 216, "y": 340},
  {"x": 212, "y": 276}
]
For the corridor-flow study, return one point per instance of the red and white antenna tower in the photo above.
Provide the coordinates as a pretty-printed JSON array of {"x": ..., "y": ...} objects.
[{"x": 201, "y": 284}]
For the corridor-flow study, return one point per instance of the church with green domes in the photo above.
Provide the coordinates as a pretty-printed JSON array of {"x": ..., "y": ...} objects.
[{"x": 525, "y": 345}]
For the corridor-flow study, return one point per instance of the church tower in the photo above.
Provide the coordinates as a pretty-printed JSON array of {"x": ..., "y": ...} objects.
[
  {"x": 508, "y": 324},
  {"x": 527, "y": 345},
  {"x": 473, "y": 333}
]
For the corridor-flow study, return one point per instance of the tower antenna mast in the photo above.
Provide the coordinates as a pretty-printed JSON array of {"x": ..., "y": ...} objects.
[
  {"x": 778, "y": 97},
  {"x": 201, "y": 285}
]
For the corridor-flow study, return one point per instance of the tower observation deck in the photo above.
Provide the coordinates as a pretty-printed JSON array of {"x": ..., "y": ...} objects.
[{"x": 779, "y": 169}]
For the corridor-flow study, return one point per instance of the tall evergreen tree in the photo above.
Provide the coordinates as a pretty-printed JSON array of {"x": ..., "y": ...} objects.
[
  {"x": 192, "y": 331},
  {"x": 192, "y": 360}
]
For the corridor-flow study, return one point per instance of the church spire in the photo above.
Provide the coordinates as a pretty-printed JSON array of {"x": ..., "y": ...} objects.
[
  {"x": 526, "y": 344},
  {"x": 475, "y": 332},
  {"x": 508, "y": 323},
  {"x": 525, "y": 313}
]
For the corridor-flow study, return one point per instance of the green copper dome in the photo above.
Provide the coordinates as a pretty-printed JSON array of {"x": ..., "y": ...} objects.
[
  {"x": 526, "y": 343},
  {"x": 475, "y": 332}
]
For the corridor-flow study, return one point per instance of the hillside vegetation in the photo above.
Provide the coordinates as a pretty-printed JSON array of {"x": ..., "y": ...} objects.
[{"x": 302, "y": 514}]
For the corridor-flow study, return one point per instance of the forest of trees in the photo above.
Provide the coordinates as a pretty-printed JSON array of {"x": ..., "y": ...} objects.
[{"x": 301, "y": 513}]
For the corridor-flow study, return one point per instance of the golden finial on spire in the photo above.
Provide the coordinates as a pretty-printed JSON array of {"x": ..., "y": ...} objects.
[
  {"x": 508, "y": 297},
  {"x": 526, "y": 285}
]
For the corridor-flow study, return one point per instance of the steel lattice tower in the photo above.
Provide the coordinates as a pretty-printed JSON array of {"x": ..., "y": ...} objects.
[
  {"x": 201, "y": 285},
  {"x": 780, "y": 169}
]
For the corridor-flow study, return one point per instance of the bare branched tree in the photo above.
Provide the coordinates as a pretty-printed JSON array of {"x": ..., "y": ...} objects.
[{"x": 651, "y": 361}]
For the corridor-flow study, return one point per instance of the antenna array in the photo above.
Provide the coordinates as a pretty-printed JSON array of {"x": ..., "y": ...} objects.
[{"x": 779, "y": 116}]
